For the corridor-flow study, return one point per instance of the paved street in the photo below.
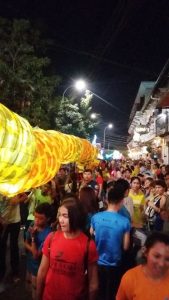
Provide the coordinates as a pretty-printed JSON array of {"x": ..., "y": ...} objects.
[{"x": 15, "y": 291}]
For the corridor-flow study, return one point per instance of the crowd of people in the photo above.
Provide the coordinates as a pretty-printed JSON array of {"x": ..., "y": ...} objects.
[{"x": 97, "y": 234}]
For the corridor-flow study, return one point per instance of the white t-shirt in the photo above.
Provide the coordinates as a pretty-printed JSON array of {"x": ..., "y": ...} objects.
[{"x": 9, "y": 213}]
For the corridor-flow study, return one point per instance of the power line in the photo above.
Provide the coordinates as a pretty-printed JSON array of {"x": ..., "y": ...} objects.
[
  {"x": 108, "y": 103},
  {"x": 105, "y": 60}
]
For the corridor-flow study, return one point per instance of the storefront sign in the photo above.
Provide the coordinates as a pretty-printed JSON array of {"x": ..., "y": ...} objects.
[{"x": 142, "y": 129}]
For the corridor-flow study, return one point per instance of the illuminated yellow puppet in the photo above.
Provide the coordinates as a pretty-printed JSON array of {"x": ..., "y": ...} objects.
[{"x": 30, "y": 157}]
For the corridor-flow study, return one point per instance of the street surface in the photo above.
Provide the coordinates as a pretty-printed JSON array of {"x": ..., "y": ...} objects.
[{"x": 9, "y": 290}]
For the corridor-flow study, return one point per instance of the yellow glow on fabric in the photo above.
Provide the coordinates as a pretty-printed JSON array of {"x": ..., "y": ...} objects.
[{"x": 30, "y": 157}]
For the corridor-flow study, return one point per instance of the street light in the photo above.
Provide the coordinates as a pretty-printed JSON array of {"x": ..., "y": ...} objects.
[
  {"x": 79, "y": 85},
  {"x": 93, "y": 116},
  {"x": 109, "y": 126}
]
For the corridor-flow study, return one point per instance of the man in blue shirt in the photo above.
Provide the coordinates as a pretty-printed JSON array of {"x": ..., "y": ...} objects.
[{"x": 112, "y": 236}]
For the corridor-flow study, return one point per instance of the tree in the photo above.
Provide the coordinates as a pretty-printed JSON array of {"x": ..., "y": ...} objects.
[
  {"x": 74, "y": 118},
  {"x": 24, "y": 87},
  {"x": 89, "y": 124}
]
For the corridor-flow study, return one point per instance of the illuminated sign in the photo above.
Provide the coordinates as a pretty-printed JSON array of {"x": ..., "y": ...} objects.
[{"x": 142, "y": 129}]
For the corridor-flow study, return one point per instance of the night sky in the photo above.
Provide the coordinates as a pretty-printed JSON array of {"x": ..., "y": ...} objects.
[{"x": 114, "y": 45}]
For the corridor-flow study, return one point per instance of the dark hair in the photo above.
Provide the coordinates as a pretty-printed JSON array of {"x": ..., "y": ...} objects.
[
  {"x": 162, "y": 166},
  {"x": 44, "y": 209},
  {"x": 99, "y": 171},
  {"x": 110, "y": 184},
  {"x": 161, "y": 183},
  {"x": 140, "y": 175},
  {"x": 135, "y": 177},
  {"x": 87, "y": 170},
  {"x": 128, "y": 169},
  {"x": 132, "y": 168},
  {"x": 141, "y": 164},
  {"x": 156, "y": 164},
  {"x": 156, "y": 237},
  {"x": 88, "y": 199},
  {"x": 76, "y": 214},
  {"x": 151, "y": 180},
  {"x": 122, "y": 185},
  {"x": 62, "y": 168},
  {"x": 115, "y": 196}
]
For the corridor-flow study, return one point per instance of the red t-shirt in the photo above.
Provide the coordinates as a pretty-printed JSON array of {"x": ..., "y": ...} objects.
[
  {"x": 65, "y": 278},
  {"x": 99, "y": 180}
]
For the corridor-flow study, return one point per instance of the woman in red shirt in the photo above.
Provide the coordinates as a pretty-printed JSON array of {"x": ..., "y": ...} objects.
[{"x": 67, "y": 255}]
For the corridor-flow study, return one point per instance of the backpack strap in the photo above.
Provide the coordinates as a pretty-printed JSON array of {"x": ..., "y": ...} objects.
[
  {"x": 50, "y": 241},
  {"x": 86, "y": 255}
]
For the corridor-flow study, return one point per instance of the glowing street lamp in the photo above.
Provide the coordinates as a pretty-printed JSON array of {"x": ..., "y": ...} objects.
[
  {"x": 109, "y": 126},
  {"x": 79, "y": 85},
  {"x": 93, "y": 116}
]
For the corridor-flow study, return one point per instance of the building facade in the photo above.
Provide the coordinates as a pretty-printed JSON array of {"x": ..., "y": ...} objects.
[{"x": 149, "y": 120}]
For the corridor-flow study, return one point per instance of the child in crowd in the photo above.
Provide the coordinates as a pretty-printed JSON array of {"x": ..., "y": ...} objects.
[{"x": 35, "y": 237}]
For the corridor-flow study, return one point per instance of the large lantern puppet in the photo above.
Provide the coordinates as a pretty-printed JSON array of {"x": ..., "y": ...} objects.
[{"x": 30, "y": 157}]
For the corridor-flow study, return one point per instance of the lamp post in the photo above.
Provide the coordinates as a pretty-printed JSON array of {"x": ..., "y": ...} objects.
[
  {"x": 79, "y": 86},
  {"x": 109, "y": 126}
]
